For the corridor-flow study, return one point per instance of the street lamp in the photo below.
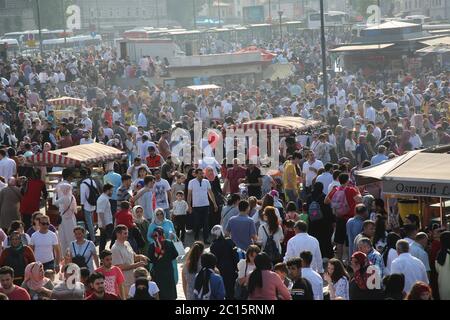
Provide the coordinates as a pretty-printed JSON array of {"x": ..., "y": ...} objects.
[
  {"x": 324, "y": 54},
  {"x": 39, "y": 27},
  {"x": 194, "y": 10},
  {"x": 280, "y": 14}
]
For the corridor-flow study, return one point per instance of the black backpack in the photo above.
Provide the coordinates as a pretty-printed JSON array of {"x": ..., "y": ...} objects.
[
  {"x": 80, "y": 260},
  {"x": 271, "y": 248},
  {"x": 93, "y": 194}
]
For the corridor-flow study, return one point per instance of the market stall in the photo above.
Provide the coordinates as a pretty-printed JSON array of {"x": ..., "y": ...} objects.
[
  {"x": 64, "y": 107},
  {"x": 77, "y": 157},
  {"x": 285, "y": 125},
  {"x": 417, "y": 174},
  {"x": 204, "y": 89}
]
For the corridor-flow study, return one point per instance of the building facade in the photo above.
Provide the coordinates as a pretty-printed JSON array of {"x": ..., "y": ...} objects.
[
  {"x": 16, "y": 15},
  {"x": 118, "y": 14}
]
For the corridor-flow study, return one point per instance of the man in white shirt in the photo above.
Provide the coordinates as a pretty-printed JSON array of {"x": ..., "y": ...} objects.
[
  {"x": 162, "y": 193},
  {"x": 87, "y": 123},
  {"x": 142, "y": 118},
  {"x": 417, "y": 242},
  {"x": 227, "y": 107},
  {"x": 302, "y": 241},
  {"x": 411, "y": 267},
  {"x": 105, "y": 218},
  {"x": 8, "y": 166},
  {"x": 390, "y": 105},
  {"x": 414, "y": 140},
  {"x": 86, "y": 138},
  {"x": 88, "y": 209},
  {"x": 326, "y": 178},
  {"x": 198, "y": 191},
  {"x": 335, "y": 182},
  {"x": 377, "y": 130},
  {"x": 45, "y": 245},
  {"x": 310, "y": 169},
  {"x": 312, "y": 276},
  {"x": 244, "y": 115},
  {"x": 371, "y": 113}
]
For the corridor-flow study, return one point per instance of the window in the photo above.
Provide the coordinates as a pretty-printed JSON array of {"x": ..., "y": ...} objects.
[{"x": 2, "y": 4}]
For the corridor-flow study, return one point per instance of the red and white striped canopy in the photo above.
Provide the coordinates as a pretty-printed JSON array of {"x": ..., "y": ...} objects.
[
  {"x": 283, "y": 124},
  {"x": 66, "y": 101},
  {"x": 76, "y": 156}
]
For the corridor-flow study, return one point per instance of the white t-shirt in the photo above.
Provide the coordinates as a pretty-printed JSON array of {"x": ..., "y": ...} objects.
[
  {"x": 152, "y": 289},
  {"x": 199, "y": 192},
  {"x": 160, "y": 189},
  {"x": 104, "y": 211},
  {"x": 7, "y": 168},
  {"x": 310, "y": 175},
  {"x": 43, "y": 245}
]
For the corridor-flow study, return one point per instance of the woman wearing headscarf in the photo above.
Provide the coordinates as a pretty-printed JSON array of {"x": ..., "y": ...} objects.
[
  {"x": 67, "y": 206},
  {"x": 162, "y": 255},
  {"x": 141, "y": 292},
  {"x": 142, "y": 224},
  {"x": 321, "y": 229},
  {"x": 17, "y": 256},
  {"x": 227, "y": 258},
  {"x": 443, "y": 266},
  {"x": 264, "y": 284},
  {"x": 389, "y": 252},
  {"x": 38, "y": 286},
  {"x": 358, "y": 288},
  {"x": 208, "y": 284}
]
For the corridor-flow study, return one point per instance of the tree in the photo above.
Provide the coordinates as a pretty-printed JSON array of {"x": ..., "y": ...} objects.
[{"x": 183, "y": 11}]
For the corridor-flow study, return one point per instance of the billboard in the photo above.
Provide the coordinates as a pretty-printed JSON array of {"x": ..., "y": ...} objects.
[{"x": 253, "y": 14}]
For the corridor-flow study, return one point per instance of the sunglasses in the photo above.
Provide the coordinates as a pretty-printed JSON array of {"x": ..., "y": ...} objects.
[{"x": 45, "y": 223}]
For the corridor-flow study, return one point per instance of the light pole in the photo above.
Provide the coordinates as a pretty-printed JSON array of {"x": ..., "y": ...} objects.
[
  {"x": 324, "y": 54},
  {"x": 194, "y": 12},
  {"x": 270, "y": 11},
  {"x": 218, "y": 9},
  {"x": 63, "y": 16},
  {"x": 39, "y": 27},
  {"x": 280, "y": 13}
]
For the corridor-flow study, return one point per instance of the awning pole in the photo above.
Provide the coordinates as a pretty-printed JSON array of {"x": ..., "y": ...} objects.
[{"x": 441, "y": 211}]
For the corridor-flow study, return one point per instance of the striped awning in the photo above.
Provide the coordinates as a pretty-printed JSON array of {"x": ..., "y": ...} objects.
[
  {"x": 283, "y": 124},
  {"x": 76, "y": 156},
  {"x": 66, "y": 101}
]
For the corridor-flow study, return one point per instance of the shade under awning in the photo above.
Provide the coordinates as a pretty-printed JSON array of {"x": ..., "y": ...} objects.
[
  {"x": 75, "y": 156},
  {"x": 362, "y": 47},
  {"x": 66, "y": 101}
]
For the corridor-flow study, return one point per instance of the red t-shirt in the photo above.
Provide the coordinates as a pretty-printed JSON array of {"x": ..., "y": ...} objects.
[
  {"x": 106, "y": 296},
  {"x": 233, "y": 176},
  {"x": 350, "y": 193},
  {"x": 124, "y": 217},
  {"x": 113, "y": 279},
  {"x": 154, "y": 162},
  {"x": 31, "y": 199},
  {"x": 18, "y": 294}
]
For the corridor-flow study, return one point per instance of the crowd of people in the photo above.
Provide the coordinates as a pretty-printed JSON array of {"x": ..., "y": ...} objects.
[{"x": 306, "y": 233}]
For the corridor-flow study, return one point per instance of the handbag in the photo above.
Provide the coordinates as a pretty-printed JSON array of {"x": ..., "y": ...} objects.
[
  {"x": 59, "y": 216},
  {"x": 179, "y": 247},
  {"x": 241, "y": 291}
]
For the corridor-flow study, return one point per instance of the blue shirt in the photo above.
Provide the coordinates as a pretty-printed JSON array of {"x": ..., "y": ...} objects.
[
  {"x": 216, "y": 287},
  {"x": 378, "y": 159},
  {"x": 376, "y": 259},
  {"x": 354, "y": 227},
  {"x": 115, "y": 179},
  {"x": 242, "y": 229},
  {"x": 416, "y": 250}
]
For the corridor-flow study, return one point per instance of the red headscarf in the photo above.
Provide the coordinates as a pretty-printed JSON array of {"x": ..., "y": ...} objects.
[
  {"x": 158, "y": 237},
  {"x": 361, "y": 275}
]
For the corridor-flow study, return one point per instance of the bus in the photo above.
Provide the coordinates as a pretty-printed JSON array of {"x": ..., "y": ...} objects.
[
  {"x": 332, "y": 19},
  {"x": 11, "y": 46},
  {"x": 75, "y": 43},
  {"x": 418, "y": 19},
  {"x": 46, "y": 34}
]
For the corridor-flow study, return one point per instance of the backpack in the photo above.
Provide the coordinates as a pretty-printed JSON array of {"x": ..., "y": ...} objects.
[
  {"x": 314, "y": 212},
  {"x": 93, "y": 194},
  {"x": 271, "y": 248},
  {"x": 339, "y": 203},
  {"x": 80, "y": 260}
]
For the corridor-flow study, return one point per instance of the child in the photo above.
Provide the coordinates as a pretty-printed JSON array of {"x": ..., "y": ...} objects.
[
  {"x": 179, "y": 212},
  {"x": 142, "y": 273},
  {"x": 304, "y": 215},
  {"x": 291, "y": 213},
  {"x": 253, "y": 206},
  {"x": 125, "y": 217},
  {"x": 50, "y": 274},
  {"x": 282, "y": 271},
  {"x": 178, "y": 185}
]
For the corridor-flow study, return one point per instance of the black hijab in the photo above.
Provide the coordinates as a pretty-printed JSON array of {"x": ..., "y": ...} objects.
[{"x": 141, "y": 293}]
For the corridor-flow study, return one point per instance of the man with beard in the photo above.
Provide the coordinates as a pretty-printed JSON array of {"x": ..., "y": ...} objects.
[{"x": 97, "y": 283}]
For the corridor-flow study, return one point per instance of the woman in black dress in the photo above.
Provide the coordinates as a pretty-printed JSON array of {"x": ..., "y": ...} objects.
[
  {"x": 321, "y": 229},
  {"x": 227, "y": 258}
]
